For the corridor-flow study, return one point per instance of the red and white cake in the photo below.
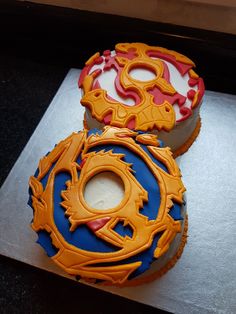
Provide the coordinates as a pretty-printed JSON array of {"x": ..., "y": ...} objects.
[{"x": 144, "y": 88}]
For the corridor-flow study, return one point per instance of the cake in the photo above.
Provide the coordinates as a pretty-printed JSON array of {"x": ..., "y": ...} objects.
[
  {"x": 144, "y": 88},
  {"x": 133, "y": 241}
]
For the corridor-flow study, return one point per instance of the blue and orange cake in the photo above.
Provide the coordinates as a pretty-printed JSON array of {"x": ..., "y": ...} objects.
[
  {"x": 144, "y": 88},
  {"x": 130, "y": 243}
]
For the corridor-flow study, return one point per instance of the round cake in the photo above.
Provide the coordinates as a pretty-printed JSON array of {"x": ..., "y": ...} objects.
[
  {"x": 101, "y": 235},
  {"x": 144, "y": 88}
]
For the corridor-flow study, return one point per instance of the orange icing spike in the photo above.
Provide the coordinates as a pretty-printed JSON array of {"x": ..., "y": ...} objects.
[
  {"x": 164, "y": 155},
  {"x": 195, "y": 100},
  {"x": 193, "y": 74},
  {"x": 76, "y": 261},
  {"x": 91, "y": 59},
  {"x": 147, "y": 139}
]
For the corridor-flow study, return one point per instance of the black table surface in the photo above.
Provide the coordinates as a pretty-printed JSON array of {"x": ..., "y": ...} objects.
[{"x": 38, "y": 49}]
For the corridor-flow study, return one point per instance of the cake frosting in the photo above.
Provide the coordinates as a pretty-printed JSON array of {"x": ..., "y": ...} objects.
[
  {"x": 143, "y": 88},
  {"x": 136, "y": 238}
]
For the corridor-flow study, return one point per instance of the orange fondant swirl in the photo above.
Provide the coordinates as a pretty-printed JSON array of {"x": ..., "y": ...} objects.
[{"x": 76, "y": 261}]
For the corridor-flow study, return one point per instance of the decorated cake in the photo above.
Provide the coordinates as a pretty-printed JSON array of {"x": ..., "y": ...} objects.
[
  {"x": 144, "y": 88},
  {"x": 130, "y": 241}
]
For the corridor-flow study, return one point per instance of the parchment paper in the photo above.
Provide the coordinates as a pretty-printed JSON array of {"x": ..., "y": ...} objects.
[{"x": 204, "y": 279}]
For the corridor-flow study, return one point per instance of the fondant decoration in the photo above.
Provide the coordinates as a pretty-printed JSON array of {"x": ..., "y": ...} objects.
[
  {"x": 120, "y": 243},
  {"x": 157, "y": 103}
]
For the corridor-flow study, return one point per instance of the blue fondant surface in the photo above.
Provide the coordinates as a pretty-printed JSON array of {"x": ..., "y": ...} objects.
[
  {"x": 147, "y": 257},
  {"x": 29, "y": 189},
  {"x": 94, "y": 131},
  {"x": 175, "y": 212},
  {"x": 123, "y": 230},
  {"x": 83, "y": 237},
  {"x": 45, "y": 241},
  {"x": 157, "y": 162}
]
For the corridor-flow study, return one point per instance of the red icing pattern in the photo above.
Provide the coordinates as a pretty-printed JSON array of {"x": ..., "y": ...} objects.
[
  {"x": 159, "y": 97},
  {"x": 99, "y": 60},
  {"x": 166, "y": 74},
  {"x": 112, "y": 63},
  {"x": 201, "y": 88},
  {"x": 107, "y": 119},
  {"x": 96, "y": 72},
  {"x": 83, "y": 73},
  {"x": 177, "y": 98},
  {"x": 106, "y": 53},
  {"x": 192, "y": 82},
  {"x": 128, "y": 55},
  {"x": 97, "y": 224},
  {"x": 182, "y": 68},
  {"x": 191, "y": 94},
  {"x": 96, "y": 85},
  {"x": 131, "y": 124},
  {"x": 186, "y": 112},
  {"x": 87, "y": 69},
  {"x": 83, "y": 162}
]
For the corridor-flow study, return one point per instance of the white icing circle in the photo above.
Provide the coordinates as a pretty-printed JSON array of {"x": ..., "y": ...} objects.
[
  {"x": 104, "y": 191},
  {"x": 142, "y": 74}
]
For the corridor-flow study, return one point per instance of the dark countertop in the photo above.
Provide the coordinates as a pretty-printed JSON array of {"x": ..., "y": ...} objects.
[{"x": 32, "y": 67}]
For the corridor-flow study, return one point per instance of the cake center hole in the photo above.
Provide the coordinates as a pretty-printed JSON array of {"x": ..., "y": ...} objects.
[
  {"x": 142, "y": 74},
  {"x": 104, "y": 191}
]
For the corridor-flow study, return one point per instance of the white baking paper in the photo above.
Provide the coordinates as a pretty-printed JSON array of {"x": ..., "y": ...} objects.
[{"x": 204, "y": 279}]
